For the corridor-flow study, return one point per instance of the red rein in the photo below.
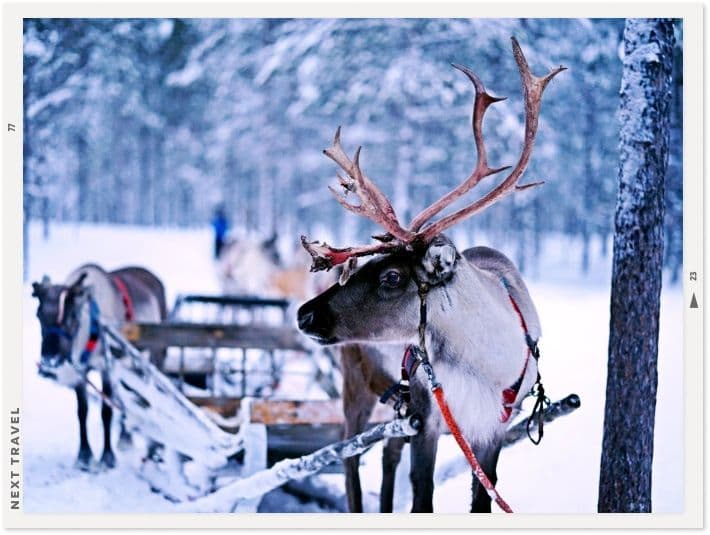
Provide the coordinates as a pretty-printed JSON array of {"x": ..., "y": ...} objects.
[
  {"x": 463, "y": 444},
  {"x": 467, "y": 451}
]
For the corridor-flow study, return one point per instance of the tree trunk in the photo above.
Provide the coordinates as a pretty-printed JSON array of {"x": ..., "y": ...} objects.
[
  {"x": 82, "y": 179},
  {"x": 627, "y": 447},
  {"x": 26, "y": 196},
  {"x": 145, "y": 214},
  {"x": 589, "y": 201},
  {"x": 43, "y": 189}
]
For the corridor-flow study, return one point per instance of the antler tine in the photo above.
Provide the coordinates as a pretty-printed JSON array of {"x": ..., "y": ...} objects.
[
  {"x": 373, "y": 203},
  {"x": 482, "y": 101},
  {"x": 325, "y": 257},
  {"x": 533, "y": 88}
]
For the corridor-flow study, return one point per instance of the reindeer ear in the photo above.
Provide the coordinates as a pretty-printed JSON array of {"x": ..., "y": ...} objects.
[
  {"x": 37, "y": 289},
  {"x": 348, "y": 267},
  {"x": 439, "y": 261},
  {"x": 40, "y": 288},
  {"x": 78, "y": 286}
]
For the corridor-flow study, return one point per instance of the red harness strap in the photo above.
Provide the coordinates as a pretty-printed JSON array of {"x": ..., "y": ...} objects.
[
  {"x": 510, "y": 394},
  {"x": 125, "y": 296},
  {"x": 413, "y": 357}
]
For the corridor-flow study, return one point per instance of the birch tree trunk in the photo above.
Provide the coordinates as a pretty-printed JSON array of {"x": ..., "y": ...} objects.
[{"x": 627, "y": 447}]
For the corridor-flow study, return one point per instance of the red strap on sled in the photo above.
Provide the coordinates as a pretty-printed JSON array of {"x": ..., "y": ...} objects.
[{"x": 125, "y": 297}]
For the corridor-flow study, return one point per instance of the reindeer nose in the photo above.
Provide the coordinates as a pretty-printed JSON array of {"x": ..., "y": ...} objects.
[
  {"x": 305, "y": 319},
  {"x": 315, "y": 319}
]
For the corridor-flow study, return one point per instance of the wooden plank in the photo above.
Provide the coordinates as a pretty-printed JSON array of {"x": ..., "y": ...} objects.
[
  {"x": 274, "y": 412},
  {"x": 184, "y": 334},
  {"x": 246, "y": 301},
  {"x": 291, "y": 441}
]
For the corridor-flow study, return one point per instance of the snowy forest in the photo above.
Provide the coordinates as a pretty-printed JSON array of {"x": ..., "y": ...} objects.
[
  {"x": 144, "y": 137},
  {"x": 156, "y": 122}
]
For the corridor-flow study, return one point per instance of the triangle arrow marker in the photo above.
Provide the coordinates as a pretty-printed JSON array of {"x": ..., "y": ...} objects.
[{"x": 693, "y": 302}]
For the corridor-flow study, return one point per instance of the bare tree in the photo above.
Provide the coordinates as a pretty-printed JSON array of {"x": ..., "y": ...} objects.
[{"x": 627, "y": 448}]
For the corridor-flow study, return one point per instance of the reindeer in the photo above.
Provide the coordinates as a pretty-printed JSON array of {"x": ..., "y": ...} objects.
[
  {"x": 245, "y": 266},
  {"x": 256, "y": 268},
  {"x": 481, "y": 327},
  {"x": 71, "y": 339}
]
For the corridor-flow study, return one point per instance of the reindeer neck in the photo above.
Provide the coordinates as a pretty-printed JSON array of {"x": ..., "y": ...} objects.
[
  {"x": 102, "y": 290},
  {"x": 473, "y": 328}
]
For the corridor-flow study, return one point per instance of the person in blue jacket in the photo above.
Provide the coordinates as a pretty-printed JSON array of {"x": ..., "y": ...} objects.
[{"x": 220, "y": 224}]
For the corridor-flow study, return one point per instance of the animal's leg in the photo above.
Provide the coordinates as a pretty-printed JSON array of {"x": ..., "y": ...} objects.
[
  {"x": 108, "y": 459},
  {"x": 391, "y": 454},
  {"x": 355, "y": 420},
  {"x": 423, "y": 455},
  {"x": 358, "y": 403},
  {"x": 85, "y": 459},
  {"x": 157, "y": 357},
  {"x": 423, "y": 447},
  {"x": 488, "y": 458}
]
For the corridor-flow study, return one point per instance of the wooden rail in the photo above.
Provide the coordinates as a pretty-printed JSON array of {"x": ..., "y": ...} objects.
[
  {"x": 229, "y": 302},
  {"x": 232, "y": 300},
  {"x": 291, "y": 412},
  {"x": 185, "y": 334}
]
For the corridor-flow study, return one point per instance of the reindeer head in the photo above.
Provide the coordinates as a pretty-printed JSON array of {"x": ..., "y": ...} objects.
[
  {"x": 59, "y": 314},
  {"x": 379, "y": 302}
]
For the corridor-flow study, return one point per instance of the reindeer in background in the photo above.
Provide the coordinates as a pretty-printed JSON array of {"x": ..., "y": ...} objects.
[
  {"x": 251, "y": 267},
  {"x": 481, "y": 327},
  {"x": 69, "y": 315}
]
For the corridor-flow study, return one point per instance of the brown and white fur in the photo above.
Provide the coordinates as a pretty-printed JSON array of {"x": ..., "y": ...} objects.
[
  {"x": 249, "y": 267},
  {"x": 474, "y": 336},
  {"x": 65, "y": 319}
]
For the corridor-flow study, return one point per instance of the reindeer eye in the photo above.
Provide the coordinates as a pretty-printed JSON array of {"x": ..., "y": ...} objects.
[{"x": 391, "y": 277}]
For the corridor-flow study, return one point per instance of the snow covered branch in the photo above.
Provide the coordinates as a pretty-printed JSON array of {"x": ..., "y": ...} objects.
[
  {"x": 514, "y": 435},
  {"x": 226, "y": 499}
]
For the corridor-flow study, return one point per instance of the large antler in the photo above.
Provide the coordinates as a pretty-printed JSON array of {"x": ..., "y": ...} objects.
[
  {"x": 373, "y": 203},
  {"x": 375, "y": 206},
  {"x": 480, "y": 104},
  {"x": 533, "y": 88}
]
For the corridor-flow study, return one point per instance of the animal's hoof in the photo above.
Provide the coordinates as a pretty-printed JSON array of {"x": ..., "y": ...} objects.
[
  {"x": 85, "y": 462},
  {"x": 125, "y": 442},
  {"x": 108, "y": 460}
]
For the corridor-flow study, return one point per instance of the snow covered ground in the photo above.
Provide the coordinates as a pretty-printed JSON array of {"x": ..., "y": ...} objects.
[{"x": 558, "y": 476}]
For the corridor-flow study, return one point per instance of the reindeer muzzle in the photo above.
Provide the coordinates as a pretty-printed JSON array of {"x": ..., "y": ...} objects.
[{"x": 317, "y": 321}]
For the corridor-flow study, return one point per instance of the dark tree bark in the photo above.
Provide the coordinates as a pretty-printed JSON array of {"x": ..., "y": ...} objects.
[
  {"x": 674, "y": 178},
  {"x": 627, "y": 447},
  {"x": 26, "y": 195},
  {"x": 589, "y": 205},
  {"x": 82, "y": 176},
  {"x": 146, "y": 216}
]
